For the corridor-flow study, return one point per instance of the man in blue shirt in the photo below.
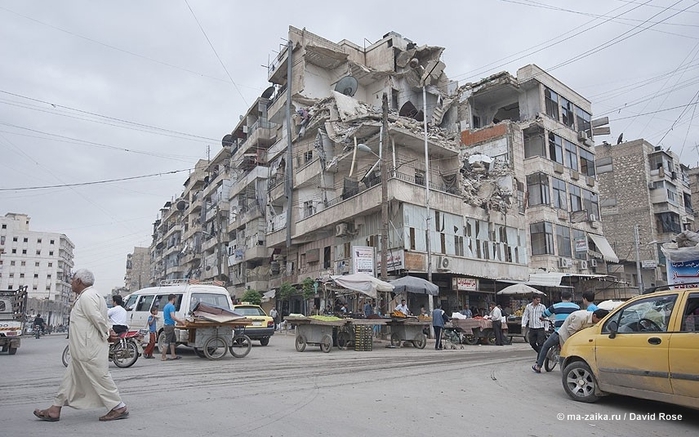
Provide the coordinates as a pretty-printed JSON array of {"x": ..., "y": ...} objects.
[
  {"x": 588, "y": 301},
  {"x": 169, "y": 320},
  {"x": 561, "y": 311}
]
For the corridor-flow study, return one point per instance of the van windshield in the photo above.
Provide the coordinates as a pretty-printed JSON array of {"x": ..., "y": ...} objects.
[{"x": 214, "y": 299}]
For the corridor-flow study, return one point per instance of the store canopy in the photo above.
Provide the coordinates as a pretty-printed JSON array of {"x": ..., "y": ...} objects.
[
  {"x": 362, "y": 283},
  {"x": 550, "y": 279},
  {"x": 412, "y": 284},
  {"x": 604, "y": 247},
  {"x": 522, "y": 289},
  {"x": 269, "y": 295}
]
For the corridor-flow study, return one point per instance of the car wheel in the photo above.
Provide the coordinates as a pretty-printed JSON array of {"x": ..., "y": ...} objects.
[
  {"x": 264, "y": 341},
  {"x": 579, "y": 382}
]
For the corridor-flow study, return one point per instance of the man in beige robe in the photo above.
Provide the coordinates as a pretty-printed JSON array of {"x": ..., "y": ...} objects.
[{"x": 87, "y": 382}]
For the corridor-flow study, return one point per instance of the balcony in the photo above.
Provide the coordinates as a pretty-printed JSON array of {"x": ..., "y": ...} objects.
[
  {"x": 307, "y": 173},
  {"x": 250, "y": 177},
  {"x": 257, "y": 252}
]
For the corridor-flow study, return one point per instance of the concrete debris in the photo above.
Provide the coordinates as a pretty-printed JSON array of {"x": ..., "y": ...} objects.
[{"x": 487, "y": 183}]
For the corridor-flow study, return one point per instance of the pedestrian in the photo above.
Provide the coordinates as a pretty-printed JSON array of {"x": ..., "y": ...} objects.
[
  {"x": 368, "y": 308},
  {"x": 532, "y": 325},
  {"x": 169, "y": 320},
  {"x": 438, "y": 316},
  {"x": 496, "y": 320},
  {"x": 274, "y": 314},
  {"x": 466, "y": 311},
  {"x": 588, "y": 298},
  {"x": 403, "y": 308},
  {"x": 152, "y": 332},
  {"x": 87, "y": 382}
]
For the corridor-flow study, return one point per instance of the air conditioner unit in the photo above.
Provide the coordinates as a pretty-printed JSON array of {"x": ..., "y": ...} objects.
[
  {"x": 582, "y": 136},
  {"x": 341, "y": 230},
  {"x": 565, "y": 263},
  {"x": 593, "y": 263},
  {"x": 583, "y": 265},
  {"x": 592, "y": 218},
  {"x": 444, "y": 263}
]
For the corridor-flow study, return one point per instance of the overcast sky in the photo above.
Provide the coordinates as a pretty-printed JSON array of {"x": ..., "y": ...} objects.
[{"x": 94, "y": 90}]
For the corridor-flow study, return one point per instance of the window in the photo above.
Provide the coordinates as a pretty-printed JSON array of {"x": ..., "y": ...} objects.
[
  {"x": 21, "y": 275},
  {"x": 542, "y": 238},
  {"x": 412, "y": 238},
  {"x": 567, "y": 113},
  {"x": 51, "y": 253},
  {"x": 308, "y": 156},
  {"x": 690, "y": 315},
  {"x": 583, "y": 119},
  {"x": 326, "y": 257},
  {"x": 14, "y": 250},
  {"x": 647, "y": 315},
  {"x": 587, "y": 163},
  {"x": 12, "y": 263},
  {"x": 23, "y": 263},
  {"x": 580, "y": 241},
  {"x": 459, "y": 245},
  {"x": 38, "y": 252},
  {"x": 419, "y": 177},
  {"x": 36, "y": 276},
  {"x": 308, "y": 208},
  {"x": 571, "y": 155},
  {"x": 534, "y": 145},
  {"x": 38, "y": 240},
  {"x": 14, "y": 239},
  {"x": 25, "y": 240},
  {"x": 36, "y": 264},
  {"x": 50, "y": 264},
  {"x": 538, "y": 187},
  {"x": 555, "y": 148},
  {"x": 24, "y": 251},
  {"x": 144, "y": 303},
  {"x": 575, "y": 198},
  {"x": 52, "y": 241},
  {"x": 668, "y": 222},
  {"x": 4, "y": 226},
  {"x": 590, "y": 203},
  {"x": 551, "y": 100},
  {"x": 563, "y": 241},
  {"x": 559, "y": 194}
]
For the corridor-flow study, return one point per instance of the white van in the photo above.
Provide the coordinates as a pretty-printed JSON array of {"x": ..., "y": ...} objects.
[{"x": 139, "y": 303}]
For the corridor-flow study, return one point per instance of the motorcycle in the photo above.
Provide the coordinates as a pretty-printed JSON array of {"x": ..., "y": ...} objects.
[{"x": 124, "y": 349}]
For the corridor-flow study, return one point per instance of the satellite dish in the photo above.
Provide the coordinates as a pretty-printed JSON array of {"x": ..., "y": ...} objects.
[
  {"x": 266, "y": 94},
  {"x": 347, "y": 85},
  {"x": 181, "y": 205},
  {"x": 159, "y": 246},
  {"x": 227, "y": 140},
  {"x": 414, "y": 63}
]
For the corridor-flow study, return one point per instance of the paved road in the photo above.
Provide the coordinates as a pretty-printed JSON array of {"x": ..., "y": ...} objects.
[{"x": 276, "y": 391}]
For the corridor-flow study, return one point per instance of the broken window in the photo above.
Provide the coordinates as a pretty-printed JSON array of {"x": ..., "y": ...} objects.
[
  {"x": 563, "y": 241},
  {"x": 542, "y": 238},
  {"x": 559, "y": 194},
  {"x": 538, "y": 188},
  {"x": 567, "y": 113},
  {"x": 308, "y": 156},
  {"x": 668, "y": 222},
  {"x": 534, "y": 145},
  {"x": 412, "y": 238},
  {"x": 551, "y": 100},
  {"x": 458, "y": 245},
  {"x": 590, "y": 203},
  {"x": 571, "y": 155},
  {"x": 420, "y": 177},
  {"x": 583, "y": 119},
  {"x": 575, "y": 198},
  {"x": 555, "y": 148},
  {"x": 587, "y": 163},
  {"x": 476, "y": 122},
  {"x": 326, "y": 257},
  {"x": 308, "y": 208},
  {"x": 442, "y": 242}
]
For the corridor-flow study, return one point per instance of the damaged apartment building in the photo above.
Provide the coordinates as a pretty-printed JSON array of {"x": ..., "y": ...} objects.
[{"x": 296, "y": 190}]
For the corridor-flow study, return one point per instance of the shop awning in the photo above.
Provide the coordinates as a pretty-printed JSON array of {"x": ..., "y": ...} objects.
[
  {"x": 362, "y": 283},
  {"x": 604, "y": 247},
  {"x": 550, "y": 279},
  {"x": 269, "y": 295}
]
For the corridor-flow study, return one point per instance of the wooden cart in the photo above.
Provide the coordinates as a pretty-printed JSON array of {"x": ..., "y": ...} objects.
[
  {"x": 477, "y": 330},
  {"x": 315, "y": 332},
  {"x": 213, "y": 339},
  {"x": 408, "y": 329}
]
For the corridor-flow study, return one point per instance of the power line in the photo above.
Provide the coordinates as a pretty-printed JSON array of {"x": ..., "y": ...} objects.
[
  {"x": 215, "y": 53},
  {"x": 105, "y": 181}
]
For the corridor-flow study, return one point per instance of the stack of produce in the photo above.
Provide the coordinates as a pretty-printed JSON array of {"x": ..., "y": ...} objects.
[{"x": 363, "y": 337}]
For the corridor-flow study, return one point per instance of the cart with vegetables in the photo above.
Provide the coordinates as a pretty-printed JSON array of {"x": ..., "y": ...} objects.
[
  {"x": 315, "y": 331},
  {"x": 408, "y": 329},
  {"x": 212, "y": 331}
]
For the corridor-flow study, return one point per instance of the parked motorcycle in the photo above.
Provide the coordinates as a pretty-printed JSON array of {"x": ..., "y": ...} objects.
[{"x": 124, "y": 349}]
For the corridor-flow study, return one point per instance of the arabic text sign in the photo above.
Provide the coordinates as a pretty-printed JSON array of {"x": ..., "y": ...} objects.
[
  {"x": 681, "y": 272},
  {"x": 363, "y": 260}
]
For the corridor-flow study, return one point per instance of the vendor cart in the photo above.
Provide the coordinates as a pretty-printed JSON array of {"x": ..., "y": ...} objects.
[
  {"x": 478, "y": 329},
  {"x": 213, "y": 339},
  {"x": 314, "y": 332},
  {"x": 408, "y": 329}
]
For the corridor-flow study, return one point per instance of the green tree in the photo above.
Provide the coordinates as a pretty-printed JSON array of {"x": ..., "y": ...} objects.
[
  {"x": 308, "y": 288},
  {"x": 286, "y": 291},
  {"x": 252, "y": 296}
]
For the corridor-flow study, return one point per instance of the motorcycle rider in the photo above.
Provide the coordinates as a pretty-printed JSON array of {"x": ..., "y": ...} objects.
[
  {"x": 117, "y": 315},
  {"x": 38, "y": 326}
]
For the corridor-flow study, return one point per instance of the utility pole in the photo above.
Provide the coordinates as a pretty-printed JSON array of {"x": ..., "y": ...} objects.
[
  {"x": 288, "y": 188},
  {"x": 638, "y": 258},
  {"x": 427, "y": 194},
  {"x": 384, "y": 189}
]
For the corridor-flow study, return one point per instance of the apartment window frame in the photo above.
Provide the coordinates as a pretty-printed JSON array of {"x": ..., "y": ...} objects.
[
  {"x": 551, "y": 103},
  {"x": 567, "y": 112},
  {"x": 575, "y": 197},
  {"x": 555, "y": 148},
  {"x": 563, "y": 242},
  {"x": 590, "y": 202},
  {"x": 570, "y": 155},
  {"x": 559, "y": 196},
  {"x": 538, "y": 189},
  {"x": 542, "y": 238},
  {"x": 587, "y": 162}
]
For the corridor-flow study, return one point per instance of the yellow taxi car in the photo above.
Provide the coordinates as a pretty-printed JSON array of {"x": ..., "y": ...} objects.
[
  {"x": 646, "y": 348},
  {"x": 262, "y": 327}
]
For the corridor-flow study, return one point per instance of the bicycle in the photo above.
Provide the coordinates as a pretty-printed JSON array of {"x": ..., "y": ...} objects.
[{"x": 552, "y": 357}]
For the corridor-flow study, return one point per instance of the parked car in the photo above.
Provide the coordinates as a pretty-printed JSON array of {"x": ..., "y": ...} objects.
[
  {"x": 262, "y": 327},
  {"x": 644, "y": 348}
]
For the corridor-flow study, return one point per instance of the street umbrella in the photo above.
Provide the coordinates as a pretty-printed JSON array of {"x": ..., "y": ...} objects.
[
  {"x": 520, "y": 289},
  {"x": 412, "y": 284}
]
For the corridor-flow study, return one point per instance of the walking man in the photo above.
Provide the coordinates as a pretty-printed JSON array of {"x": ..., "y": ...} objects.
[
  {"x": 560, "y": 310},
  {"x": 532, "y": 323},
  {"x": 496, "y": 319},
  {"x": 87, "y": 382},
  {"x": 438, "y": 325}
]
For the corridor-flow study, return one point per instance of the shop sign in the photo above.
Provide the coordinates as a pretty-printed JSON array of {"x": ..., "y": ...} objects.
[
  {"x": 581, "y": 245},
  {"x": 394, "y": 261},
  {"x": 464, "y": 284},
  {"x": 363, "y": 260},
  {"x": 648, "y": 264}
]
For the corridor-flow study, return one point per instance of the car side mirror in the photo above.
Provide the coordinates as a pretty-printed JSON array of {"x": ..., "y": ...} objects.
[{"x": 613, "y": 328}]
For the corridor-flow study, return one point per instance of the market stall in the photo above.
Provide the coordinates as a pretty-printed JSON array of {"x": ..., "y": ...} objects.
[
  {"x": 521, "y": 294},
  {"x": 315, "y": 331},
  {"x": 213, "y": 331},
  {"x": 408, "y": 329},
  {"x": 477, "y": 329}
]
